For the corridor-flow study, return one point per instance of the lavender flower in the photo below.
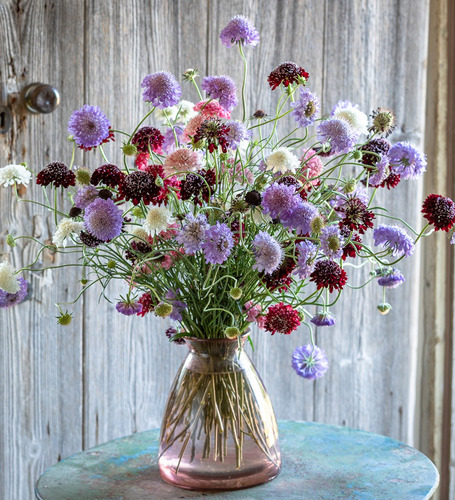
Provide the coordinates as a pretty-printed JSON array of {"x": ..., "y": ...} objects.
[
  {"x": 306, "y": 108},
  {"x": 12, "y": 299},
  {"x": 89, "y": 126},
  {"x": 278, "y": 199},
  {"x": 218, "y": 243},
  {"x": 380, "y": 176},
  {"x": 395, "y": 238},
  {"x": 390, "y": 278},
  {"x": 332, "y": 242},
  {"x": 237, "y": 133},
  {"x": 339, "y": 133},
  {"x": 407, "y": 161},
  {"x": 309, "y": 362},
  {"x": 323, "y": 319},
  {"x": 192, "y": 235},
  {"x": 307, "y": 252},
  {"x": 222, "y": 88},
  {"x": 300, "y": 217},
  {"x": 161, "y": 89},
  {"x": 169, "y": 145},
  {"x": 85, "y": 196},
  {"x": 239, "y": 30},
  {"x": 267, "y": 251},
  {"x": 128, "y": 307},
  {"x": 103, "y": 219},
  {"x": 177, "y": 305}
]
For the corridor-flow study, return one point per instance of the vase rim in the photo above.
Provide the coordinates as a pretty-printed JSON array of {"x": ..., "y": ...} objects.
[{"x": 243, "y": 336}]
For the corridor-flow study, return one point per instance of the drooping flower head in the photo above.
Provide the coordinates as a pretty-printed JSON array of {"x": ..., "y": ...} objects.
[
  {"x": 89, "y": 127},
  {"x": 108, "y": 174},
  {"x": 407, "y": 161},
  {"x": 278, "y": 199},
  {"x": 287, "y": 73},
  {"x": 161, "y": 89},
  {"x": 214, "y": 133},
  {"x": 341, "y": 136},
  {"x": 394, "y": 238},
  {"x": 351, "y": 114},
  {"x": 323, "y": 319},
  {"x": 282, "y": 319},
  {"x": 307, "y": 252},
  {"x": 218, "y": 243},
  {"x": 237, "y": 133},
  {"x": 253, "y": 313},
  {"x": 282, "y": 160},
  {"x": 332, "y": 242},
  {"x": 129, "y": 307},
  {"x": 192, "y": 235},
  {"x": 103, "y": 219},
  {"x": 439, "y": 211},
  {"x": 57, "y": 174},
  {"x": 172, "y": 297},
  {"x": 183, "y": 160},
  {"x": 12, "y": 299},
  {"x": 306, "y": 108},
  {"x": 239, "y": 30},
  {"x": 14, "y": 174},
  {"x": 390, "y": 278},
  {"x": 309, "y": 362},
  {"x": 148, "y": 138},
  {"x": 267, "y": 251},
  {"x": 222, "y": 88},
  {"x": 328, "y": 274}
]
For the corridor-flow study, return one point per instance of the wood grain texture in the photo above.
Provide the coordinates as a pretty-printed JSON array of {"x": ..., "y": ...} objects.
[{"x": 108, "y": 375}]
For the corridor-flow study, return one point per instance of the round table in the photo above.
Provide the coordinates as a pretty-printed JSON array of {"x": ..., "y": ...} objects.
[{"x": 318, "y": 462}]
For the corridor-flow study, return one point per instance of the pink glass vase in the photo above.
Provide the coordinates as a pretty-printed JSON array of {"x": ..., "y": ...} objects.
[{"x": 219, "y": 429}]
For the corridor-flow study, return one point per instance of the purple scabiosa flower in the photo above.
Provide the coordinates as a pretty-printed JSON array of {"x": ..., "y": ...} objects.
[
  {"x": 267, "y": 251},
  {"x": 103, "y": 219},
  {"x": 395, "y": 238},
  {"x": 222, "y": 88},
  {"x": 85, "y": 196},
  {"x": 351, "y": 114},
  {"x": 390, "y": 278},
  {"x": 323, "y": 319},
  {"x": 300, "y": 217},
  {"x": 169, "y": 144},
  {"x": 309, "y": 362},
  {"x": 89, "y": 127},
  {"x": 192, "y": 235},
  {"x": 161, "y": 89},
  {"x": 307, "y": 252},
  {"x": 406, "y": 160},
  {"x": 239, "y": 30},
  {"x": 177, "y": 305},
  {"x": 382, "y": 172},
  {"x": 278, "y": 199},
  {"x": 12, "y": 299},
  {"x": 359, "y": 193},
  {"x": 306, "y": 108},
  {"x": 339, "y": 133},
  {"x": 332, "y": 242},
  {"x": 218, "y": 243},
  {"x": 237, "y": 133},
  {"x": 128, "y": 307}
]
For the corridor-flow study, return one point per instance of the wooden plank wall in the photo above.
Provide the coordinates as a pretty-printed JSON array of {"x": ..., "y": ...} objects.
[{"x": 104, "y": 376}]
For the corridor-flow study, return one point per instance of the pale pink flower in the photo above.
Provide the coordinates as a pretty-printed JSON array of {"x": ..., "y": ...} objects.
[
  {"x": 170, "y": 258},
  {"x": 254, "y": 314},
  {"x": 212, "y": 109},
  {"x": 192, "y": 126},
  {"x": 312, "y": 167},
  {"x": 183, "y": 160}
]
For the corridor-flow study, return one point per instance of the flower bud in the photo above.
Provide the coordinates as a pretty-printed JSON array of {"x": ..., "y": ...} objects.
[
  {"x": 83, "y": 176},
  {"x": 235, "y": 293},
  {"x": 350, "y": 186},
  {"x": 137, "y": 212},
  {"x": 111, "y": 264},
  {"x": 384, "y": 308},
  {"x": 232, "y": 332},
  {"x": 64, "y": 318},
  {"x": 129, "y": 150},
  {"x": 163, "y": 310},
  {"x": 317, "y": 224},
  {"x": 10, "y": 240},
  {"x": 357, "y": 155}
]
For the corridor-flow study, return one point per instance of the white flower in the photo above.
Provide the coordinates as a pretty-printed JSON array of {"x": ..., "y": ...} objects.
[
  {"x": 14, "y": 174},
  {"x": 349, "y": 113},
  {"x": 158, "y": 219},
  {"x": 8, "y": 282},
  {"x": 182, "y": 112},
  {"x": 282, "y": 160},
  {"x": 64, "y": 229}
]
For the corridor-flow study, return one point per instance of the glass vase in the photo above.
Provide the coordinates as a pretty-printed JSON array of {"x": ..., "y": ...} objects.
[{"x": 219, "y": 430}]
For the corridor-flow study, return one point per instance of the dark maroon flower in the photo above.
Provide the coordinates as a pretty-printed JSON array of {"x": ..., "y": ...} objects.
[
  {"x": 137, "y": 251},
  {"x": 289, "y": 180},
  {"x": 379, "y": 146},
  {"x": 328, "y": 274},
  {"x": 281, "y": 319},
  {"x": 89, "y": 240},
  {"x": 439, "y": 211},
  {"x": 391, "y": 181},
  {"x": 356, "y": 216},
  {"x": 108, "y": 174},
  {"x": 148, "y": 304},
  {"x": 74, "y": 212},
  {"x": 281, "y": 278},
  {"x": 214, "y": 133},
  {"x": 170, "y": 332},
  {"x": 287, "y": 73},
  {"x": 57, "y": 174},
  {"x": 351, "y": 248},
  {"x": 148, "y": 185},
  {"x": 253, "y": 198},
  {"x": 148, "y": 137},
  {"x": 197, "y": 186}
]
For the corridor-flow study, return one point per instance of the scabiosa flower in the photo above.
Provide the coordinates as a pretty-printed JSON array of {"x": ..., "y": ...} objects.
[
  {"x": 89, "y": 240},
  {"x": 85, "y": 196},
  {"x": 383, "y": 170},
  {"x": 170, "y": 144},
  {"x": 267, "y": 251},
  {"x": 312, "y": 166},
  {"x": 142, "y": 160},
  {"x": 253, "y": 313},
  {"x": 182, "y": 112},
  {"x": 278, "y": 199},
  {"x": 306, "y": 109},
  {"x": 390, "y": 278},
  {"x": 12, "y": 299},
  {"x": 282, "y": 319},
  {"x": 391, "y": 180},
  {"x": 351, "y": 114},
  {"x": 309, "y": 362},
  {"x": 108, "y": 174},
  {"x": 407, "y": 161},
  {"x": 128, "y": 307},
  {"x": 307, "y": 252},
  {"x": 14, "y": 174},
  {"x": 439, "y": 211},
  {"x": 282, "y": 160},
  {"x": 8, "y": 281},
  {"x": 218, "y": 243},
  {"x": 323, "y": 319},
  {"x": 222, "y": 88},
  {"x": 140, "y": 185},
  {"x": 161, "y": 89},
  {"x": 103, "y": 219},
  {"x": 57, "y": 174},
  {"x": 197, "y": 186},
  {"x": 214, "y": 133},
  {"x": 328, "y": 274},
  {"x": 353, "y": 246},
  {"x": 339, "y": 133},
  {"x": 355, "y": 215},
  {"x": 147, "y": 303},
  {"x": 157, "y": 219},
  {"x": 177, "y": 305},
  {"x": 332, "y": 242},
  {"x": 300, "y": 217},
  {"x": 183, "y": 160},
  {"x": 281, "y": 278},
  {"x": 211, "y": 109},
  {"x": 395, "y": 238},
  {"x": 287, "y": 73},
  {"x": 89, "y": 127},
  {"x": 253, "y": 198},
  {"x": 384, "y": 122},
  {"x": 192, "y": 235},
  {"x": 64, "y": 229},
  {"x": 237, "y": 133},
  {"x": 148, "y": 138},
  {"x": 239, "y": 30},
  {"x": 373, "y": 150}
]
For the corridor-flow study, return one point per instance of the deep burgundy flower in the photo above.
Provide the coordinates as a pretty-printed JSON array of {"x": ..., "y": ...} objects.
[
  {"x": 286, "y": 73},
  {"x": 148, "y": 304},
  {"x": 170, "y": 332},
  {"x": 137, "y": 251},
  {"x": 253, "y": 198},
  {"x": 89, "y": 240},
  {"x": 289, "y": 180},
  {"x": 148, "y": 185},
  {"x": 108, "y": 174},
  {"x": 281, "y": 319},
  {"x": 148, "y": 137},
  {"x": 214, "y": 133},
  {"x": 379, "y": 146},
  {"x": 57, "y": 174},
  {"x": 391, "y": 181},
  {"x": 281, "y": 278},
  {"x": 356, "y": 216},
  {"x": 328, "y": 274},
  {"x": 352, "y": 247},
  {"x": 198, "y": 187},
  {"x": 439, "y": 211}
]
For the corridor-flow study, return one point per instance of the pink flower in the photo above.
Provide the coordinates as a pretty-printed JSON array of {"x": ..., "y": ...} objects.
[
  {"x": 192, "y": 127},
  {"x": 170, "y": 258},
  {"x": 142, "y": 161},
  {"x": 240, "y": 174},
  {"x": 254, "y": 314},
  {"x": 212, "y": 108},
  {"x": 183, "y": 160},
  {"x": 312, "y": 167}
]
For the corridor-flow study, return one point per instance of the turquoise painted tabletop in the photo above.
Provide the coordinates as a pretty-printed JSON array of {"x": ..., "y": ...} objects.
[{"x": 319, "y": 462}]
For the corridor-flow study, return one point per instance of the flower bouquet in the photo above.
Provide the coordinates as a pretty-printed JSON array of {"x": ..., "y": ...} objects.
[{"x": 222, "y": 223}]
